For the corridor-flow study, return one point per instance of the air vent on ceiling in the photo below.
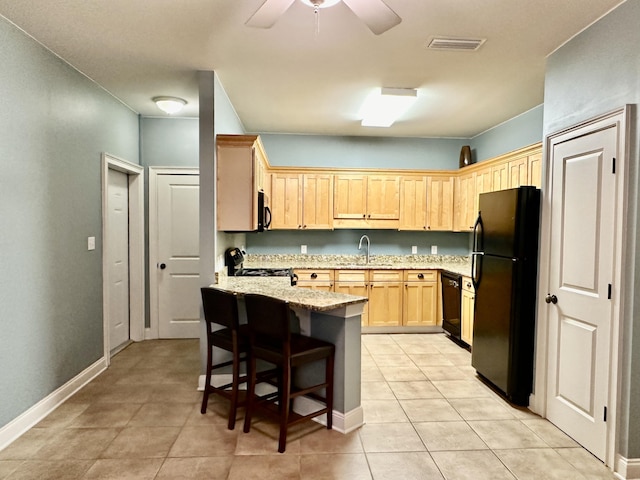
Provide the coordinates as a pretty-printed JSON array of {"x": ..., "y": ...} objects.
[{"x": 463, "y": 44}]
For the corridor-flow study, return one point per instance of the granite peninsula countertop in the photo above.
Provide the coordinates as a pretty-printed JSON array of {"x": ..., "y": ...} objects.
[
  {"x": 452, "y": 263},
  {"x": 280, "y": 287}
]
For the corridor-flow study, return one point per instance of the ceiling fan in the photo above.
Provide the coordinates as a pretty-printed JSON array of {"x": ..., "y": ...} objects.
[{"x": 374, "y": 13}]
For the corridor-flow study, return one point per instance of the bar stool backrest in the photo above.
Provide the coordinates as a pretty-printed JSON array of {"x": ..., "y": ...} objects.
[
  {"x": 220, "y": 307},
  {"x": 268, "y": 318}
]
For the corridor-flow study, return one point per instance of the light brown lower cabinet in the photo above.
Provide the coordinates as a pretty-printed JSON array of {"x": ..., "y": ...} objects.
[
  {"x": 396, "y": 297},
  {"x": 354, "y": 282},
  {"x": 385, "y": 298},
  {"x": 420, "y": 301},
  {"x": 467, "y": 310},
  {"x": 315, "y": 279}
]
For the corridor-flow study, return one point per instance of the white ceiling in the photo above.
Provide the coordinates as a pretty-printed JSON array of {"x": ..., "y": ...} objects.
[{"x": 288, "y": 80}]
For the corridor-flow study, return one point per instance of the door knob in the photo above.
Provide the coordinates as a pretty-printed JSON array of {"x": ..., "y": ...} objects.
[
  {"x": 163, "y": 266},
  {"x": 551, "y": 299}
]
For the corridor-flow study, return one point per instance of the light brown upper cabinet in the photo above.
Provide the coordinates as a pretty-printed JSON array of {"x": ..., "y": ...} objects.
[
  {"x": 301, "y": 201},
  {"x": 241, "y": 171},
  {"x": 440, "y": 203},
  {"x": 413, "y": 203},
  {"x": 366, "y": 201},
  {"x": 500, "y": 177},
  {"x": 518, "y": 172},
  {"x": 535, "y": 170},
  {"x": 464, "y": 211}
]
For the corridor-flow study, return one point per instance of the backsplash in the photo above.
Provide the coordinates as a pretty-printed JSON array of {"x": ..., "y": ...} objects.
[{"x": 337, "y": 260}]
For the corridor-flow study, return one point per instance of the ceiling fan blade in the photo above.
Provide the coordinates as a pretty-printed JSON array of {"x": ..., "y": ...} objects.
[
  {"x": 375, "y": 13},
  {"x": 268, "y": 13}
]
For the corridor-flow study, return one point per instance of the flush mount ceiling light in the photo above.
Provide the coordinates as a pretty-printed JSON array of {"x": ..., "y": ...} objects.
[
  {"x": 386, "y": 105},
  {"x": 169, "y": 105}
]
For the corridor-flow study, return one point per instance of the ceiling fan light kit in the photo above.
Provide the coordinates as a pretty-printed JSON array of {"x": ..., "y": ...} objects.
[
  {"x": 383, "y": 107},
  {"x": 374, "y": 13},
  {"x": 169, "y": 105}
]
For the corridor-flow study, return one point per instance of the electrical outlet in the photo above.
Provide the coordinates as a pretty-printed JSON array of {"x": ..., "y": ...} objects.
[
  {"x": 414, "y": 249},
  {"x": 91, "y": 243},
  {"x": 303, "y": 249},
  {"x": 434, "y": 249}
]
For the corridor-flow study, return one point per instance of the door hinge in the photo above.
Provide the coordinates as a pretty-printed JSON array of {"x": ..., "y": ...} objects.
[
  {"x": 605, "y": 414},
  {"x": 613, "y": 165},
  {"x": 609, "y": 292}
]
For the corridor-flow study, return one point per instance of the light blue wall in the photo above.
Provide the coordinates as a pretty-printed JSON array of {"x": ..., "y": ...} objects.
[
  {"x": 345, "y": 242},
  {"x": 597, "y": 72},
  {"x": 54, "y": 125},
  {"x": 362, "y": 152},
  {"x": 520, "y": 131},
  {"x": 169, "y": 142}
]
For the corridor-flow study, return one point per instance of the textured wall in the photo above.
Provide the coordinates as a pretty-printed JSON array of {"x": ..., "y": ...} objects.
[{"x": 54, "y": 125}]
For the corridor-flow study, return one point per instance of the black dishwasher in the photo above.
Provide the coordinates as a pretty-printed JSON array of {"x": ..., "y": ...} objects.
[{"x": 451, "y": 299}]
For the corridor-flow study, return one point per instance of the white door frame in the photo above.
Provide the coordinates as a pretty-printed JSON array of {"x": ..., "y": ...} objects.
[
  {"x": 154, "y": 325},
  {"x": 135, "y": 174},
  {"x": 621, "y": 118}
]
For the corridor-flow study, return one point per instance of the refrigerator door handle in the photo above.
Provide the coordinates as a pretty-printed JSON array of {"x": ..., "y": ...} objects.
[{"x": 478, "y": 246}]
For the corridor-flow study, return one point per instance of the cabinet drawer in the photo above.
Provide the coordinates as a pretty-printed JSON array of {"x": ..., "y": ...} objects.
[
  {"x": 420, "y": 275},
  {"x": 313, "y": 275},
  {"x": 467, "y": 285},
  {"x": 385, "y": 275},
  {"x": 351, "y": 275}
]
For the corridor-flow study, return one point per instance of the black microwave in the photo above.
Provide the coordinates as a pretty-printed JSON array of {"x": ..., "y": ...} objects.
[{"x": 264, "y": 214}]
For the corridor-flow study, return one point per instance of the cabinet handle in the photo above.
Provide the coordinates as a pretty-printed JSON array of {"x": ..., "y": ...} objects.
[
  {"x": 428, "y": 227},
  {"x": 314, "y": 275},
  {"x": 364, "y": 215},
  {"x": 420, "y": 276}
]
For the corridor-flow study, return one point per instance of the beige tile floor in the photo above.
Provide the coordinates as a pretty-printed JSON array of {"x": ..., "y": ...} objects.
[{"x": 427, "y": 417}]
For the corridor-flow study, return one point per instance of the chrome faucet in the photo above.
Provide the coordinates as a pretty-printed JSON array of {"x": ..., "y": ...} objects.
[{"x": 368, "y": 245}]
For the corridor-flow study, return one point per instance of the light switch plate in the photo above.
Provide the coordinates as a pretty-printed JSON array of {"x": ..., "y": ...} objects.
[
  {"x": 91, "y": 243},
  {"x": 414, "y": 249},
  {"x": 434, "y": 249},
  {"x": 303, "y": 249}
]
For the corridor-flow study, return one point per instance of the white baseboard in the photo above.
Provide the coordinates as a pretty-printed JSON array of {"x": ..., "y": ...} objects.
[
  {"x": 342, "y": 422},
  {"x": 18, "y": 426},
  {"x": 627, "y": 468}
]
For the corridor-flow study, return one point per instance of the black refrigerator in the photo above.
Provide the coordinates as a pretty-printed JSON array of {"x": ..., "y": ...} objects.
[{"x": 504, "y": 271}]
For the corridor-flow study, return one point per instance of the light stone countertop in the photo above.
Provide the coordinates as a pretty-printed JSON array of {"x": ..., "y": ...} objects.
[
  {"x": 280, "y": 287},
  {"x": 451, "y": 263}
]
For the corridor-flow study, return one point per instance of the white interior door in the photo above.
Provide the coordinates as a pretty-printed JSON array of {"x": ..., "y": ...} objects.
[
  {"x": 178, "y": 268},
  {"x": 583, "y": 202},
  {"x": 118, "y": 255}
]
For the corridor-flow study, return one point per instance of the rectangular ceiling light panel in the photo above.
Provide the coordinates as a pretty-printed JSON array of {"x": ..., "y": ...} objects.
[{"x": 386, "y": 105}]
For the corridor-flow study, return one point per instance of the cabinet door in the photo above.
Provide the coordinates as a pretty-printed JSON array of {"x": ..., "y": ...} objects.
[
  {"x": 464, "y": 205},
  {"x": 440, "y": 203},
  {"x": 500, "y": 177},
  {"x": 534, "y": 173},
  {"x": 518, "y": 172},
  {"x": 349, "y": 196},
  {"x": 413, "y": 203},
  {"x": 484, "y": 177},
  {"x": 383, "y": 197},
  {"x": 385, "y": 304},
  {"x": 420, "y": 303},
  {"x": 467, "y": 309},
  {"x": 317, "y": 201},
  {"x": 286, "y": 201}
]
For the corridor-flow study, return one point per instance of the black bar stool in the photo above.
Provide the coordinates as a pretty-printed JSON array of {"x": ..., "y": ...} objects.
[
  {"x": 271, "y": 340},
  {"x": 221, "y": 309}
]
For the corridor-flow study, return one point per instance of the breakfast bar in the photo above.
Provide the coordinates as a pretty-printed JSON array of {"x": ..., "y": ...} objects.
[{"x": 333, "y": 317}]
